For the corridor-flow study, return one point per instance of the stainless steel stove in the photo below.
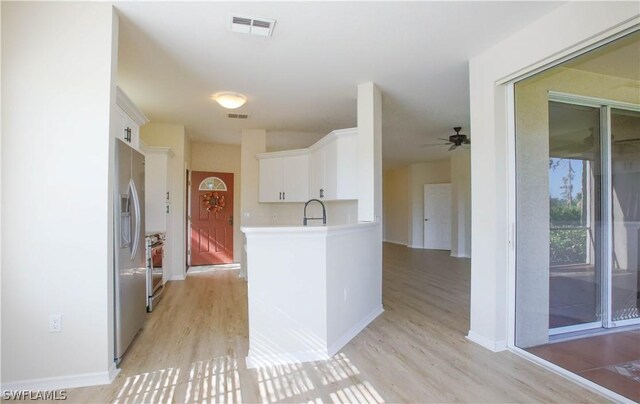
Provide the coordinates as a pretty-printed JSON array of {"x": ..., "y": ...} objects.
[{"x": 155, "y": 258}]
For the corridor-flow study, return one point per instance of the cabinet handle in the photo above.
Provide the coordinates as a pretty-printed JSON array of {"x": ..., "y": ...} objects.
[
  {"x": 279, "y": 196},
  {"x": 127, "y": 134},
  {"x": 283, "y": 196},
  {"x": 321, "y": 193},
  {"x": 167, "y": 196}
]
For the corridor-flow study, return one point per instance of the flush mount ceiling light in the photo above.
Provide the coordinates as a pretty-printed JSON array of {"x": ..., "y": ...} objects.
[{"x": 229, "y": 100}]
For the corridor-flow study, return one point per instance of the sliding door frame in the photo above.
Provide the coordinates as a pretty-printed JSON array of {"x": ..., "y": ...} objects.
[{"x": 506, "y": 85}]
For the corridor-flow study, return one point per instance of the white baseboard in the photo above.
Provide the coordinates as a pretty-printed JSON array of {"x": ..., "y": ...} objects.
[
  {"x": 355, "y": 330},
  {"x": 395, "y": 242},
  {"x": 495, "y": 346},
  {"x": 258, "y": 361},
  {"x": 63, "y": 382},
  {"x": 179, "y": 277},
  {"x": 460, "y": 255},
  {"x": 416, "y": 246}
]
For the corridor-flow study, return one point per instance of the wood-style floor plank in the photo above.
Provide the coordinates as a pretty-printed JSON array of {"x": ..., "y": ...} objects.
[{"x": 193, "y": 346}]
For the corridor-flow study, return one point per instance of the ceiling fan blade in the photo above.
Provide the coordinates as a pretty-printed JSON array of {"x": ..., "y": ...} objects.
[
  {"x": 446, "y": 140},
  {"x": 467, "y": 141},
  {"x": 627, "y": 140},
  {"x": 453, "y": 147},
  {"x": 435, "y": 144}
]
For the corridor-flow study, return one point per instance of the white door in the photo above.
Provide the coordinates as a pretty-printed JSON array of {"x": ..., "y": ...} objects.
[{"x": 437, "y": 216}]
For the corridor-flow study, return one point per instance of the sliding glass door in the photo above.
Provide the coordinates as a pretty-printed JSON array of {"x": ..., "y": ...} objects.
[
  {"x": 575, "y": 270},
  {"x": 625, "y": 215},
  {"x": 577, "y": 214},
  {"x": 577, "y": 147}
]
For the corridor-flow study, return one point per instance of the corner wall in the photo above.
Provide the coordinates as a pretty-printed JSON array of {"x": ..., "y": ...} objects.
[
  {"x": 461, "y": 203},
  {"x": 58, "y": 89},
  {"x": 395, "y": 195},
  {"x": 173, "y": 136}
]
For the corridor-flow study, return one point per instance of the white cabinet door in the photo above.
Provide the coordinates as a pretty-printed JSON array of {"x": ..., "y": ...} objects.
[
  {"x": 334, "y": 167},
  {"x": 127, "y": 129},
  {"x": 295, "y": 174},
  {"x": 330, "y": 171},
  {"x": 347, "y": 167},
  {"x": 316, "y": 174},
  {"x": 156, "y": 183},
  {"x": 270, "y": 189}
]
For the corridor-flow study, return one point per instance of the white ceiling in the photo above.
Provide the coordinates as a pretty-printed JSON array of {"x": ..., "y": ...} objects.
[{"x": 301, "y": 82}]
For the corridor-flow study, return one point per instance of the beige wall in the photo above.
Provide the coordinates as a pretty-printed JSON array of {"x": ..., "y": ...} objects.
[
  {"x": 222, "y": 158},
  {"x": 419, "y": 174},
  {"x": 174, "y": 137},
  {"x": 58, "y": 88},
  {"x": 395, "y": 190},
  {"x": 461, "y": 203}
]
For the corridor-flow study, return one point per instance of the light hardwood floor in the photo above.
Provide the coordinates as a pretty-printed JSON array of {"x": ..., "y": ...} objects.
[{"x": 193, "y": 346}]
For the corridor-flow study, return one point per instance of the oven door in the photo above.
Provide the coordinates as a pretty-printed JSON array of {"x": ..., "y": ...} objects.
[
  {"x": 154, "y": 275},
  {"x": 157, "y": 256}
]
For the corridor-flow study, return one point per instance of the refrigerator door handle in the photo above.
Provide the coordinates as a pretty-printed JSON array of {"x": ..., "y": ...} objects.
[{"x": 136, "y": 207}]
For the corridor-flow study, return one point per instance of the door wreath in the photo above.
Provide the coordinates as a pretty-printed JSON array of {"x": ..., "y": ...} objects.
[{"x": 213, "y": 202}]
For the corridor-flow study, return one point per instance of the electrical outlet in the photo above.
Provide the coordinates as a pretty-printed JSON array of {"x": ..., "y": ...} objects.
[{"x": 55, "y": 323}]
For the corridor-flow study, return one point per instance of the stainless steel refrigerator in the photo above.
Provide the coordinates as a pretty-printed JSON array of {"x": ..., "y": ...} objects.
[{"x": 130, "y": 270}]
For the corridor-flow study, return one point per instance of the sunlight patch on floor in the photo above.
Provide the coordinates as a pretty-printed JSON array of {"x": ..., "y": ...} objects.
[
  {"x": 216, "y": 380},
  {"x": 157, "y": 386}
]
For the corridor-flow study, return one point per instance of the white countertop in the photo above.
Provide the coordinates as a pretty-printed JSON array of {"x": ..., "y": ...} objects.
[{"x": 306, "y": 229}]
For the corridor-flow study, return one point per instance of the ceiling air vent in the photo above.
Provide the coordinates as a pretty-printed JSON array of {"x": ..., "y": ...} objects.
[
  {"x": 252, "y": 25},
  {"x": 238, "y": 116}
]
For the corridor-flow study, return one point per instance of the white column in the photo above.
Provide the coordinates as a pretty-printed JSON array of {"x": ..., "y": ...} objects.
[{"x": 369, "y": 153}]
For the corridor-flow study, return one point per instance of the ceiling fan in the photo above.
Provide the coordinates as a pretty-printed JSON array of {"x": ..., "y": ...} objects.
[{"x": 455, "y": 141}]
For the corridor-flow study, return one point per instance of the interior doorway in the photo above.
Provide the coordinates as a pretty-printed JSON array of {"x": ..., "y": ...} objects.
[{"x": 211, "y": 218}]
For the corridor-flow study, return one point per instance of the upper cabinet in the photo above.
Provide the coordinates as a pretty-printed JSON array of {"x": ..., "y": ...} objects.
[
  {"x": 156, "y": 184},
  {"x": 284, "y": 176},
  {"x": 128, "y": 119},
  {"x": 328, "y": 171},
  {"x": 333, "y": 171}
]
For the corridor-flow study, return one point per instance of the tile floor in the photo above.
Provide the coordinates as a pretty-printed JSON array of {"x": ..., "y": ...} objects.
[{"x": 611, "y": 360}]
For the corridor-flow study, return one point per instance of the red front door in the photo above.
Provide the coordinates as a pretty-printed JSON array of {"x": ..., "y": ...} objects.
[{"x": 211, "y": 218}]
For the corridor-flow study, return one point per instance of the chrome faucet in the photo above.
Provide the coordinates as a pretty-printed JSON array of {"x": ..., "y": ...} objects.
[{"x": 324, "y": 212}]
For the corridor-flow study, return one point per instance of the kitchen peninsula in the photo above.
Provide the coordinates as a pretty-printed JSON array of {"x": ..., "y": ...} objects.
[{"x": 312, "y": 289}]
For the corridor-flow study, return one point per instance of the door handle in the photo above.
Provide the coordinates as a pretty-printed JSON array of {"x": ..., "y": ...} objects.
[
  {"x": 230, "y": 220},
  {"x": 137, "y": 210}
]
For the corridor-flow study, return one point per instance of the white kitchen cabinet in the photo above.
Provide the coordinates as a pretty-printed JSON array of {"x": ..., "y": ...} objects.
[
  {"x": 333, "y": 172},
  {"x": 127, "y": 120},
  {"x": 156, "y": 182},
  {"x": 284, "y": 176}
]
